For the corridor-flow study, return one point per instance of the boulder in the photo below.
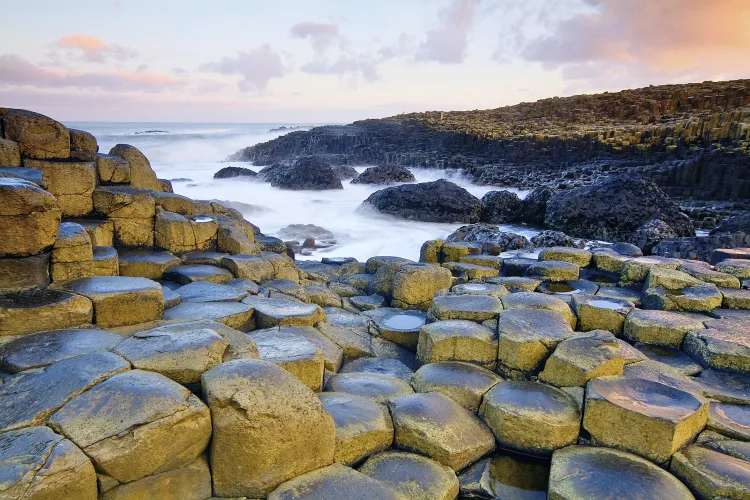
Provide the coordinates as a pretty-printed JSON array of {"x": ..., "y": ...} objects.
[
  {"x": 501, "y": 207},
  {"x": 29, "y": 218},
  {"x": 436, "y": 426},
  {"x": 437, "y": 201},
  {"x": 414, "y": 476},
  {"x": 534, "y": 205},
  {"x": 487, "y": 233},
  {"x": 231, "y": 172},
  {"x": 647, "y": 236},
  {"x": 262, "y": 416},
  {"x": 307, "y": 173},
  {"x": 660, "y": 419},
  {"x": 37, "y": 136},
  {"x": 384, "y": 174},
  {"x": 10, "y": 153},
  {"x": 36, "y": 463},
  {"x": 590, "y": 472},
  {"x": 613, "y": 209},
  {"x": 136, "y": 424},
  {"x": 549, "y": 238},
  {"x": 344, "y": 172},
  {"x": 363, "y": 427},
  {"x": 736, "y": 224},
  {"x": 82, "y": 141},
  {"x": 530, "y": 417},
  {"x": 142, "y": 175}
]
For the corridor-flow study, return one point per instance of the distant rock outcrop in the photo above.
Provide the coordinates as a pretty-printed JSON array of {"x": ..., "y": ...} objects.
[
  {"x": 230, "y": 172},
  {"x": 307, "y": 173},
  {"x": 437, "y": 201}
]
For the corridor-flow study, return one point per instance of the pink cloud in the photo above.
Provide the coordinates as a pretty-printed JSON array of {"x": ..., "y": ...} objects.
[
  {"x": 447, "y": 43},
  {"x": 257, "y": 67},
  {"x": 93, "y": 49},
  {"x": 321, "y": 35}
]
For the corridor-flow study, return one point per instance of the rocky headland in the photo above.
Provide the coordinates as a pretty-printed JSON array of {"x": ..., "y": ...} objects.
[{"x": 155, "y": 346}]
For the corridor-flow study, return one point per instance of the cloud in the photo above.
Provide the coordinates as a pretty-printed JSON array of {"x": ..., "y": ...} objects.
[
  {"x": 447, "y": 43},
  {"x": 321, "y": 36},
  {"x": 16, "y": 71},
  {"x": 257, "y": 67},
  {"x": 356, "y": 65},
  {"x": 640, "y": 39},
  {"x": 91, "y": 48}
]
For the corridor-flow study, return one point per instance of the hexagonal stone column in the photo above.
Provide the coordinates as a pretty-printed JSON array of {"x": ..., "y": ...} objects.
[
  {"x": 468, "y": 307},
  {"x": 146, "y": 264},
  {"x": 37, "y": 463},
  {"x": 334, "y": 481},
  {"x": 712, "y": 474},
  {"x": 120, "y": 301},
  {"x": 553, "y": 270},
  {"x": 457, "y": 340},
  {"x": 363, "y": 427},
  {"x": 415, "y": 285},
  {"x": 592, "y": 472},
  {"x": 29, "y": 218},
  {"x": 262, "y": 417},
  {"x": 232, "y": 314},
  {"x": 191, "y": 482},
  {"x": 719, "y": 349},
  {"x": 583, "y": 357},
  {"x": 38, "y": 136},
  {"x": 414, "y": 476},
  {"x": 596, "y": 313},
  {"x": 436, "y": 426},
  {"x": 72, "y": 254},
  {"x": 282, "y": 312},
  {"x": 136, "y": 424},
  {"x": 659, "y": 327},
  {"x": 696, "y": 298},
  {"x": 294, "y": 353},
  {"x": 660, "y": 419},
  {"x": 401, "y": 327},
  {"x": 531, "y": 417},
  {"x": 375, "y": 386},
  {"x": 42, "y": 309},
  {"x": 464, "y": 383},
  {"x": 72, "y": 183},
  {"x": 535, "y": 300}
]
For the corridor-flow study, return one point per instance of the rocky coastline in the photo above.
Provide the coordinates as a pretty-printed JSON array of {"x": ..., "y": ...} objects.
[{"x": 155, "y": 346}]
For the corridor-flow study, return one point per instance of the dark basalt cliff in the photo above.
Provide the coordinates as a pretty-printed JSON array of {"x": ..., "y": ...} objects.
[{"x": 691, "y": 139}]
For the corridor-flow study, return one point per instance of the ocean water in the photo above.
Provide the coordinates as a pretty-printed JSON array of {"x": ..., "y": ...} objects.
[{"x": 194, "y": 152}]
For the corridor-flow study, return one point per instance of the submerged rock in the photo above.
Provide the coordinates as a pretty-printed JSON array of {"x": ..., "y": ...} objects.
[{"x": 437, "y": 201}]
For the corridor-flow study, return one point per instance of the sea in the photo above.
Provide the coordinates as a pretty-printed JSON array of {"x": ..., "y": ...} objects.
[{"x": 190, "y": 153}]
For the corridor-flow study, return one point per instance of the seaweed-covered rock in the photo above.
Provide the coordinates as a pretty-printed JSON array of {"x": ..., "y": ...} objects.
[
  {"x": 487, "y": 233},
  {"x": 436, "y": 201},
  {"x": 501, "y": 207},
  {"x": 230, "y": 172},
  {"x": 307, "y": 173},
  {"x": 385, "y": 174}
]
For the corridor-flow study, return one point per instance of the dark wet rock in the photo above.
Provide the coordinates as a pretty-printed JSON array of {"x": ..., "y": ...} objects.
[
  {"x": 375, "y": 386},
  {"x": 613, "y": 209},
  {"x": 36, "y": 463},
  {"x": 589, "y": 472},
  {"x": 531, "y": 417},
  {"x": 501, "y": 207},
  {"x": 414, "y": 476},
  {"x": 384, "y": 366},
  {"x": 725, "y": 387},
  {"x": 736, "y": 224},
  {"x": 363, "y": 427},
  {"x": 435, "y": 425},
  {"x": 464, "y": 383},
  {"x": 534, "y": 205},
  {"x": 31, "y": 397},
  {"x": 206, "y": 291},
  {"x": 486, "y": 233},
  {"x": 650, "y": 408},
  {"x": 186, "y": 274},
  {"x": 307, "y": 173},
  {"x": 344, "y": 172},
  {"x": 302, "y": 232},
  {"x": 230, "y": 172},
  {"x": 385, "y": 174},
  {"x": 437, "y": 201},
  {"x": 42, "y": 349},
  {"x": 505, "y": 474},
  {"x": 549, "y": 238},
  {"x": 651, "y": 233},
  {"x": 712, "y": 474},
  {"x": 334, "y": 481},
  {"x": 271, "y": 244},
  {"x": 627, "y": 249}
]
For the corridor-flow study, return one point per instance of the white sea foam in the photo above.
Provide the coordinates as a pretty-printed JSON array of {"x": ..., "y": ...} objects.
[{"x": 195, "y": 152}]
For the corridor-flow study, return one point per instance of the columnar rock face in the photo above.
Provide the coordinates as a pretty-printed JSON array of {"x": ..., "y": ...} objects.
[
  {"x": 29, "y": 218},
  {"x": 141, "y": 174},
  {"x": 263, "y": 422},
  {"x": 72, "y": 183}
]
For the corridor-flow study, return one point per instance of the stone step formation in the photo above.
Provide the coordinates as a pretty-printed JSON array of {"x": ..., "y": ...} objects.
[{"x": 154, "y": 346}]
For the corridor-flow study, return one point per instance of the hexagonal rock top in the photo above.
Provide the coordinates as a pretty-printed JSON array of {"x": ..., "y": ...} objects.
[
  {"x": 535, "y": 300},
  {"x": 375, "y": 386},
  {"x": 468, "y": 307},
  {"x": 42, "y": 309},
  {"x": 592, "y": 472},
  {"x": 281, "y": 312},
  {"x": 262, "y": 417},
  {"x": 659, "y": 327},
  {"x": 334, "y": 481},
  {"x": 136, "y": 424},
  {"x": 583, "y": 357},
  {"x": 415, "y": 285},
  {"x": 415, "y": 476},
  {"x": 660, "y": 419},
  {"x": 531, "y": 417},
  {"x": 363, "y": 427},
  {"x": 597, "y": 313},
  {"x": 457, "y": 340},
  {"x": 464, "y": 383},
  {"x": 712, "y": 474},
  {"x": 436, "y": 426},
  {"x": 294, "y": 353},
  {"x": 37, "y": 463}
]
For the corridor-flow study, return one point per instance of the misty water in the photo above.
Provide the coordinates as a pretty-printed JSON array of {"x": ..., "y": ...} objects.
[{"x": 197, "y": 151}]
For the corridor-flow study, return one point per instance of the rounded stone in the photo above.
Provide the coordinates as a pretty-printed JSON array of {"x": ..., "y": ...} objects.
[
  {"x": 384, "y": 366},
  {"x": 535, "y": 300},
  {"x": 38, "y": 136},
  {"x": 436, "y": 426},
  {"x": 44, "y": 348},
  {"x": 283, "y": 312},
  {"x": 136, "y": 424},
  {"x": 660, "y": 419},
  {"x": 582, "y": 472},
  {"x": 711, "y": 474},
  {"x": 334, "y": 481},
  {"x": 659, "y": 327},
  {"x": 293, "y": 353},
  {"x": 414, "y": 476},
  {"x": 363, "y": 427},
  {"x": 37, "y": 310},
  {"x": 464, "y": 383},
  {"x": 375, "y": 386},
  {"x": 467, "y": 307},
  {"x": 457, "y": 340},
  {"x": 596, "y": 313},
  {"x": 262, "y": 417},
  {"x": 531, "y": 417}
]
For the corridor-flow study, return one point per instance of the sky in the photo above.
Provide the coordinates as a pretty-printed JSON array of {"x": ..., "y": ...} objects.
[{"x": 335, "y": 61}]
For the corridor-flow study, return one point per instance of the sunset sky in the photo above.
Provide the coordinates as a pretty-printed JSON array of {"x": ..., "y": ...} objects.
[{"x": 341, "y": 60}]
